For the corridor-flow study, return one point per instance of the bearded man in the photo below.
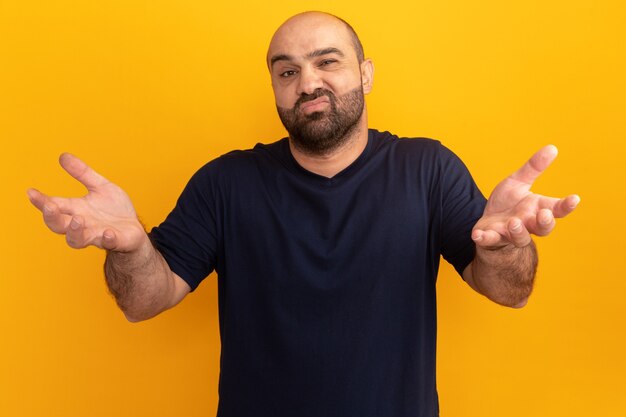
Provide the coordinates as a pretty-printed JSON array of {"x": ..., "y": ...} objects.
[{"x": 326, "y": 243}]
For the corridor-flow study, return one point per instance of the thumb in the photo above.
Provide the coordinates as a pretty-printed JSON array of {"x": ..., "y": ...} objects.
[{"x": 81, "y": 171}]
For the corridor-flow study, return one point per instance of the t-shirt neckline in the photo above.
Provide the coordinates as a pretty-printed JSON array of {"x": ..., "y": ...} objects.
[{"x": 345, "y": 173}]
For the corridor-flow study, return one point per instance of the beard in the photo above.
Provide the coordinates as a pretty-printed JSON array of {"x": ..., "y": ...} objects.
[{"x": 320, "y": 133}]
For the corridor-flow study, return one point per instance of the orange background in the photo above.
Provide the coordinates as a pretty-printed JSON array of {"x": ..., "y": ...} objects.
[{"x": 148, "y": 91}]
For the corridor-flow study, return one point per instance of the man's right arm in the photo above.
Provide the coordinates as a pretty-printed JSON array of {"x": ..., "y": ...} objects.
[
  {"x": 136, "y": 273},
  {"x": 142, "y": 282}
]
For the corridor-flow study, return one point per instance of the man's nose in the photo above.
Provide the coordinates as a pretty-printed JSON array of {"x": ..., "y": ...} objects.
[{"x": 309, "y": 81}]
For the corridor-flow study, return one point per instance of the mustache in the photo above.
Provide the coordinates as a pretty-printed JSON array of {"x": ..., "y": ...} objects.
[{"x": 304, "y": 97}]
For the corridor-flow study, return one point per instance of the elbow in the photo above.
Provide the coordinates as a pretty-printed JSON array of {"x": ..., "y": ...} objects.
[
  {"x": 521, "y": 297},
  {"x": 507, "y": 297},
  {"x": 132, "y": 319},
  {"x": 519, "y": 304},
  {"x": 131, "y": 314},
  {"x": 137, "y": 316},
  {"x": 511, "y": 302}
]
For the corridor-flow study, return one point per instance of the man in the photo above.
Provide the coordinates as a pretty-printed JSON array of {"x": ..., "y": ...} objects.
[{"x": 326, "y": 243}]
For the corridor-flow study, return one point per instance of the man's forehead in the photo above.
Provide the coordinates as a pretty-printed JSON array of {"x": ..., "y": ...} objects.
[{"x": 304, "y": 34}]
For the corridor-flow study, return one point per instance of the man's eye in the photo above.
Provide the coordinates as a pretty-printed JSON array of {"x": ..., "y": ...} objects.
[
  {"x": 327, "y": 62},
  {"x": 287, "y": 74}
]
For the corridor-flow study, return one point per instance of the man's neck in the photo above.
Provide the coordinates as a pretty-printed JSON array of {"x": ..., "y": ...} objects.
[{"x": 338, "y": 160}]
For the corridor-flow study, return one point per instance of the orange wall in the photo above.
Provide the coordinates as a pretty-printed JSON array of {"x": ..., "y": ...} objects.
[{"x": 148, "y": 91}]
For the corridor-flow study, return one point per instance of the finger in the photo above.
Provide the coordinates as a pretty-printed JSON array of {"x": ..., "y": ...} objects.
[
  {"x": 488, "y": 238},
  {"x": 75, "y": 235},
  {"x": 36, "y": 198},
  {"x": 39, "y": 200},
  {"x": 544, "y": 222},
  {"x": 81, "y": 171},
  {"x": 518, "y": 234},
  {"x": 52, "y": 216},
  {"x": 56, "y": 211},
  {"x": 538, "y": 163},
  {"x": 78, "y": 236},
  {"x": 56, "y": 221},
  {"x": 109, "y": 240},
  {"x": 566, "y": 205}
]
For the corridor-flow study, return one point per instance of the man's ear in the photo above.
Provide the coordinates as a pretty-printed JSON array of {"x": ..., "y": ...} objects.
[{"x": 367, "y": 75}]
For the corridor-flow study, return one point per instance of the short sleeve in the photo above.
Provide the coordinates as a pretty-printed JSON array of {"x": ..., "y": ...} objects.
[
  {"x": 462, "y": 204},
  {"x": 187, "y": 238}
]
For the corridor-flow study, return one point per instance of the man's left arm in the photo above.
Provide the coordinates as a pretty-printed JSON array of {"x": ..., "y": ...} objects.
[{"x": 504, "y": 266}]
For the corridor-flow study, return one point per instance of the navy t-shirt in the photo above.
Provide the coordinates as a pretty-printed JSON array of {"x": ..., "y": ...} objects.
[{"x": 326, "y": 286}]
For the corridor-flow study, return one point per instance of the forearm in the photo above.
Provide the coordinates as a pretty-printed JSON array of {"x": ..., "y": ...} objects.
[
  {"x": 140, "y": 281},
  {"x": 504, "y": 275}
]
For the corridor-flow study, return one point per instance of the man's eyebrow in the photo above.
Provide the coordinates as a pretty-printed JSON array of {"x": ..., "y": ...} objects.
[
  {"x": 325, "y": 51},
  {"x": 280, "y": 57},
  {"x": 313, "y": 54}
]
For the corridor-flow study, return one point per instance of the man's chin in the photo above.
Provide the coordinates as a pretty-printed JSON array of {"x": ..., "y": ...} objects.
[{"x": 315, "y": 116}]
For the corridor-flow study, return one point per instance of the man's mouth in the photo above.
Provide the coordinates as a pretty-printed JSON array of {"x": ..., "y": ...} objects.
[{"x": 315, "y": 105}]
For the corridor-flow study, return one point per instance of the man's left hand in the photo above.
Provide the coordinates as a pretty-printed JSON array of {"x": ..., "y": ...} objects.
[{"x": 513, "y": 212}]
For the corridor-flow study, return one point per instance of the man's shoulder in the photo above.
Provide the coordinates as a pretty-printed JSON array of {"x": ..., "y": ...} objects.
[
  {"x": 424, "y": 152},
  {"x": 386, "y": 138},
  {"x": 243, "y": 156},
  {"x": 238, "y": 162},
  {"x": 259, "y": 151},
  {"x": 385, "y": 141}
]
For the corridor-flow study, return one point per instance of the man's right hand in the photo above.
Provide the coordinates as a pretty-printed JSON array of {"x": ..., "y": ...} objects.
[
  {"x": 136, "y": 273},
  {"x": 104, "y": 218}
]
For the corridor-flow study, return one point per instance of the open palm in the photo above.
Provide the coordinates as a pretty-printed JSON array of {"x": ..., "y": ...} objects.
[
  {"x": 513, "y": 212},
  {"x": 104, "y": 218}
]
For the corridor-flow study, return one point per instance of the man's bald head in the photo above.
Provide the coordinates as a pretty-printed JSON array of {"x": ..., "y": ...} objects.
[
  {"x": 314, "y": 17},
  {"x": 356, "y": 42}
]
